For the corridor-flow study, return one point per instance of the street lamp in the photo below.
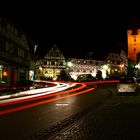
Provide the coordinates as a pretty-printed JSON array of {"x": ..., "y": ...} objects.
[
  {"x": 137, "y": 66},
  {"x": 105, "y": 70},
  {"x": 121, "y": 65},
  {"x": 40, "y": 68},
  {"x": 69, "y": 64},
  {"x": 105, "y": 67}
]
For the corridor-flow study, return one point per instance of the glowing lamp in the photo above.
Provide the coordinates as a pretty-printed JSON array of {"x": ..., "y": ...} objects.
[
  {"x": 137, "y": 66},
  {"x": 69, "y": 64},
  {"x": 105, "y": 67},
  {"x": 40, "y": 68},
  {"x": 5, "y": 73},
  {"x": 121, "y": 65}
]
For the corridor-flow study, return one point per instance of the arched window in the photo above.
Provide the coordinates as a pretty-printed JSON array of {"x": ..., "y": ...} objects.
[{"x": 52, "y": 62}]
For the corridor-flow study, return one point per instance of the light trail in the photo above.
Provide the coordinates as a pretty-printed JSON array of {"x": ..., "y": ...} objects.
[
  {"x": 42, "y": 102},
  {"x": 39, "y": 93},
  {"x": 26, "y": 99}
]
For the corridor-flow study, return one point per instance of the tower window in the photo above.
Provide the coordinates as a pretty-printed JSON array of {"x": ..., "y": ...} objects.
[
  {"x": 135, "y": 40},
  {"x": 134, "y": 49},
  {"x": 134, "y": 32}
]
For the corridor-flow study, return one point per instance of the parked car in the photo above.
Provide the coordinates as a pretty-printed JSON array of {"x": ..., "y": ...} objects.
[
  {"x": 85, "y": 78},
  {"x": 126, "y": 86},
  {"x": 39, "y": 85}
]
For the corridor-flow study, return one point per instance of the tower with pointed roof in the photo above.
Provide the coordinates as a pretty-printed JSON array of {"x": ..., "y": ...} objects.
[{"x": 133, "y": 39}]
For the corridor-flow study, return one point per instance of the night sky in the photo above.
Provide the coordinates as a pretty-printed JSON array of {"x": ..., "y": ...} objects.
[{"x": 75, "y": 29}]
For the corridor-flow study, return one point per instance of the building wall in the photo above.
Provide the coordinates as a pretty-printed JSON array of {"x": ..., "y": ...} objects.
[
  {"x": 133, "y": 39},
  {"x": 14, "y": 53},
  {"x": 85, "y": 66},
  {"x": 117, "y": 63},
  {"x": 51, "y": 65}
]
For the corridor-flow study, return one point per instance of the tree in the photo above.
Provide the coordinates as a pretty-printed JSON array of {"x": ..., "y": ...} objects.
[
  {"x": 131, "y": 68},
  {"x": 64, "y": 76},
  {"x": 138, "y": 58},
  {"x": 42, "y": 77},
  {"x": 99, "y": 75}
]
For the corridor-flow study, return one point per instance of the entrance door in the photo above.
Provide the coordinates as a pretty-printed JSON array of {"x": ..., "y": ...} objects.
[{"x": 13, "y": 77}]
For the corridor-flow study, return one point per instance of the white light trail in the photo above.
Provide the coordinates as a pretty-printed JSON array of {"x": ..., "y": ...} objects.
[{"x": 36, "y": 93}]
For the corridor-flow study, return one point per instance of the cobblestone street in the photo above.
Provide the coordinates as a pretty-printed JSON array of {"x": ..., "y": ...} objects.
[{"x": 117, "y": 119}]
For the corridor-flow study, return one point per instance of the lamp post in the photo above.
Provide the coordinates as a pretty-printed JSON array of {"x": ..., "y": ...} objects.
[
  {"x": 106, "y": 69},
  {"x": 68, "y": 66},
  {"x": 137, "y": 69}
]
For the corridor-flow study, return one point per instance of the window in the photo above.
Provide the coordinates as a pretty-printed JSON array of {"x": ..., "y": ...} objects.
[
  {"x": 85, "y": 62},
  {"x": 90, "y": 62},
  {"x": 45, "y": 63},
  {"x": 134, "y": 32},
  {"x": 61, "y": 63},
  {"x": 97, "y": 63},
  {"x": 118, "y": 63},
  {"x": 134, "y": 49},
  {"x": 53, "y": 63}
]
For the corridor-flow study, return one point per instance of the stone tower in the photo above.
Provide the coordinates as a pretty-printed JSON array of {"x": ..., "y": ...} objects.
[{"x": 133, "y": 40}]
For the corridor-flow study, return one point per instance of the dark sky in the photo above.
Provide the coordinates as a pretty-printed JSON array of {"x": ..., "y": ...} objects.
[{"x": 74, "y": 28}]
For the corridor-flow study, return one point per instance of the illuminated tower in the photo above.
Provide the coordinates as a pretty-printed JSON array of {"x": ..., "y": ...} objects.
[{"x": 133, "y": 40}]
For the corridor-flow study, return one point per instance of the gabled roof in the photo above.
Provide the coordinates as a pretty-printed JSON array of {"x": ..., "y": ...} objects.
[
  {"x": 54, "y": 53},
  {"x": 118, "y": 48}
]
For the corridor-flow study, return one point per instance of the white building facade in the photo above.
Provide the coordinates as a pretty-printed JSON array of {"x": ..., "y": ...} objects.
[{"x": 85, "y": 66}]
